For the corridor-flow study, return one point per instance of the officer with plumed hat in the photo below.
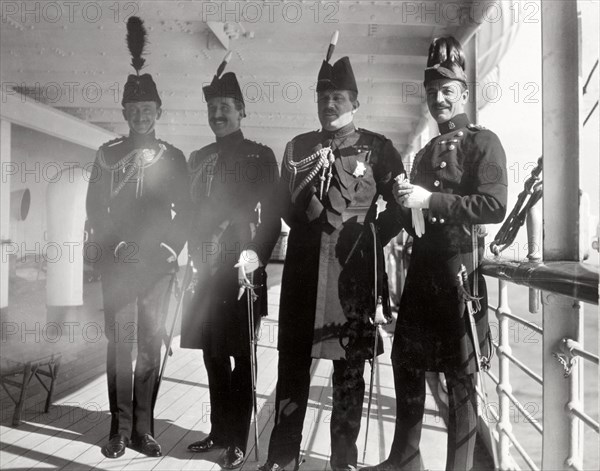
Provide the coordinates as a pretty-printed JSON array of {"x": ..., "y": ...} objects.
[
  {"x": 333, "y": 287},
  {"x": 458, "y": 183},
  {"x": 139, "y": 182},
  {"x": 235, "y": 227}
]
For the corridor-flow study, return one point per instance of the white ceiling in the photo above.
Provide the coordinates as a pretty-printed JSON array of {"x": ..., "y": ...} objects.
[{"x": 72, "y": 56}]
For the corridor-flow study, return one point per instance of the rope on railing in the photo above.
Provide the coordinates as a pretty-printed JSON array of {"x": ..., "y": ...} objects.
[{"x": 531, "y": 194}]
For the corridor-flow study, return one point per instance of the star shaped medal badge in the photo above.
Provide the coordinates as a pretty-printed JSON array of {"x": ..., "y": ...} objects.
[{"x": 360, "y": 169}]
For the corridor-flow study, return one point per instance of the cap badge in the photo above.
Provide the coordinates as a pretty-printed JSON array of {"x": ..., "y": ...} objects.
[
  {"x": 360, "y": 170},
  {"x": 451, "y": 125}
]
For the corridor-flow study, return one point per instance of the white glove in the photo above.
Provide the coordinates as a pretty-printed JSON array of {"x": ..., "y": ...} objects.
[
  {"x": 402, "y": 188},
  {"x": 402, "y": 191},
  {"x": 418, "y": 198},
  {"x": 247, "y": 263},
  {"x": 418, "y": 221}
]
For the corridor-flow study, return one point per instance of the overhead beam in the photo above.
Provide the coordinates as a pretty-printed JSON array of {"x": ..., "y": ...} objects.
[{"x": 26, "y": 112}]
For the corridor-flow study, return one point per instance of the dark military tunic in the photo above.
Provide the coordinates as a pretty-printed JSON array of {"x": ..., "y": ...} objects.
[
  {"x": 233, "y": 186},
  {"x": 136, "y": 206},
  {"x": 465, "y": 169},
  {"x": 138, "y": 184},
  {"x": 327, "y": 293},
  {"x": 333, "y": 275}
]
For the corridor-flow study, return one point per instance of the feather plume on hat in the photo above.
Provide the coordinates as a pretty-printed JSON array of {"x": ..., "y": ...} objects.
[
  {"x": 444, "y": 49},
  {"x": 136, "y": 42},
  {"x": 138, "y": 87},
  {"x": 445, "y": 60}
]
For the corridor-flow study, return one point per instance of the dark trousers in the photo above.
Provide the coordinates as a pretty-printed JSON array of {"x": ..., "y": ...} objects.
[
  {"x": 410, "y": 408},
  {"x": 230, "y": 399},
  {"x": 131, "y": 394},
  {"x": 292, "y": 391}
]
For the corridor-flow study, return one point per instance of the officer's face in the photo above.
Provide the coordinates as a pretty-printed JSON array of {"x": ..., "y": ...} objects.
[
  {"x": 446, "y": 99},
  {"x": 141, "y": 116},
  {"x": 335, "y": 109},
  {"x": 223, "y": 117}
]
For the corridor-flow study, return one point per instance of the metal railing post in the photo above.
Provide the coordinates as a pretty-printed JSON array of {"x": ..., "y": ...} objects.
[
  {"x": 561, "y": 125},
  {"x": 504, "y": 387}
]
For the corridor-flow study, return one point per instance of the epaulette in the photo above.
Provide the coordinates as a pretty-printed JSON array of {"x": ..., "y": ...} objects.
[
  {"x": 202, "y": 154},
  {"x": 304, "y": 135},
  {"x": 254, "y": 143},
  {"x": 166, "y": 144},
  {"x": 114, "y": 142},
  {"x": 207, "y": 150},
  {"x": 475, "y": 127},
  {"x": 371, "y": 133},
  {"x": 257, "y": 150}
]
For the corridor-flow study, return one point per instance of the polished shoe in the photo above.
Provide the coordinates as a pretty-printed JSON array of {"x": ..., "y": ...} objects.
[
  {"x": 116, "y": 446},
  {"x": 383, "y": 466},
  {"x": 147, "y": 445},
  {"x": 268, "y": 466},
  {"x": 234, "y": 458},
  {"x": 205, "y": 445},
  {"x": 344, "y": 468}
]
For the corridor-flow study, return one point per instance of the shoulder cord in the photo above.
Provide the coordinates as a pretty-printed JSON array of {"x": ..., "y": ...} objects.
[
  {"x": 199, "y": 171},
  {"x": 139, "y": 164},
  {"x": 322, "y": 159}
]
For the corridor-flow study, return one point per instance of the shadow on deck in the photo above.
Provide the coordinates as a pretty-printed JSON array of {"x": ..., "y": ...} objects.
[{"x": 69, "y": 436}]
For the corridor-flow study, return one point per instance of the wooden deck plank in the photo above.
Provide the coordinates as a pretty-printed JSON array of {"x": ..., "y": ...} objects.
[
  {"x": 86, "y": 450},
  {"x": 93, "y": 458},
  {"x": 66, "y": 420},
  {"x": 58, "y": 441},
  {"x": 92, "y": 432}
]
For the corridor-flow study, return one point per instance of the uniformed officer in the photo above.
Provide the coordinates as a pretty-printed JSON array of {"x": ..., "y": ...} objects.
[
  {"x": 138, "y": 181},
  {"x": 235, "y": 223},
  {"x": 331, "y": 180},
  {"x": 459, "y": 181}
]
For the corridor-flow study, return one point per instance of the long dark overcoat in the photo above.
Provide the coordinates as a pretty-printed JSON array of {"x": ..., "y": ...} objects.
[
  {"x": 465, "y": 169},
  {"x": 327, "y": 291},
  {"x": 234, "y": 182}
]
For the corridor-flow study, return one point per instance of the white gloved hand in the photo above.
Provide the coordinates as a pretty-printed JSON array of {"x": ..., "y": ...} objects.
[
  {"x": 401, "y": 189},
  {"x": 247, "y": 263},
  {"x": 418, "y": 198}
]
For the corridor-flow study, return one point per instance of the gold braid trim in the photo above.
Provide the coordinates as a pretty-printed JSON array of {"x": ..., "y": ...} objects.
[
  {"x": 322, "y": 159},
  {"x": 140, "y": 162}
]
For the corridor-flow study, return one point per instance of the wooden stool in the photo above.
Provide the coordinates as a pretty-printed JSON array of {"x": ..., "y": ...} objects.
[{"x": 29, "y": 366}]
